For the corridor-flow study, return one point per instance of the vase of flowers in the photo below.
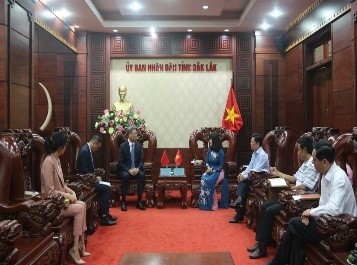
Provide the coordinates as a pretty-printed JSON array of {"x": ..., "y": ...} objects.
[{"x": 112, "y": 121}]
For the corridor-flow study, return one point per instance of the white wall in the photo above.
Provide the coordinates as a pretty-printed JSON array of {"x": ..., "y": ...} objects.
[{"x": 174, "y": 103}]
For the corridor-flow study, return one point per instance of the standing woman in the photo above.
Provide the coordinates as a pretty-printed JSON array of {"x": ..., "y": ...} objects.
[
  {"x": 214, "y": 173},
  {"x": 52, "y": 182}
]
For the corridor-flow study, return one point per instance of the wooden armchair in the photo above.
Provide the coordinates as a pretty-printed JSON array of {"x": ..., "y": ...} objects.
[
  {"x": 339, "y": 234},
  {"x": 196, "y": 153},
  {"x": 36, "y": 215},
  {"x": 278, "y": 144},
  {"x": 148, "y": 141}
]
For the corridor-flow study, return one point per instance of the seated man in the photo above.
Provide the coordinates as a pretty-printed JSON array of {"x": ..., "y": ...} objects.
[
  {"x": 337, "y": 197},
  {"x": 306, "y": 178},
  {"x": 259, "y": 162},
  {"x": 85, "y": 165},
  {"x": 130, "y": 166}
]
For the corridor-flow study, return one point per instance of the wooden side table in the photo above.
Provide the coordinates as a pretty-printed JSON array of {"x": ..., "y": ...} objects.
[{"x": 174, "y": 182}]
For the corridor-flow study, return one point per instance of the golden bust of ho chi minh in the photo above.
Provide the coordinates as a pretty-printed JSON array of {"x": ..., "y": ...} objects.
[{"x": 123, "y": 104}]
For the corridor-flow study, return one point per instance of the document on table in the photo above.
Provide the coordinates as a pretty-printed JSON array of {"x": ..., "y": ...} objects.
[{"x": 277, "y": 182}]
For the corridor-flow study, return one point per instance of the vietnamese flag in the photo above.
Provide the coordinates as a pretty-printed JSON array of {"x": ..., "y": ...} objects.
[
  {"x": 232, "y": 119},
  {"x": 164, "y": 159},
  {"x": 178, "y": 158}
]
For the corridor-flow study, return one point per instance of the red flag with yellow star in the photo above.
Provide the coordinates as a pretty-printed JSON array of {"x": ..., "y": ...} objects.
[{"x": 232, "y": 118}]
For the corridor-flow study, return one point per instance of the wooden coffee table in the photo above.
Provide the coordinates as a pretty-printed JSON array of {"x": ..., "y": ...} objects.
[
  {"x": 203, "y": 258},
  {"x": 172, "y": 182}
]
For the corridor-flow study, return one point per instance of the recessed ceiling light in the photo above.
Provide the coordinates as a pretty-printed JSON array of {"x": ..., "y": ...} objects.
[
  {"x": 276, "y": 13},
  {"x": 115, "y": 30},
  {"x": 135, "y": 6},
  {"x": 226, "y": 30},
  {"x": 264, "y": 26},
  {"x": 205, "y": 7},
  {"x": 189, "y": 30}
]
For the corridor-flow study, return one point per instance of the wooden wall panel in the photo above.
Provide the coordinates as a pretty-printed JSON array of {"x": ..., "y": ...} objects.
[
  {"x": 3, "y": 53},
  {"x": 266, "y": 43},
  {"x": 20, "y": 59},
  {"x": 260, "y": 58},
  {"x": 20, "y": 20},
  {"x": 270, "y": 82},
  {"x": 4, "y": 105},
  {"x": 209, "y": 44},
  {"x": 342, "y": 70},
  {"x": 295, "y": 107},
  {"x": 245, "y": 84},
  {"x": 193, "y": 44},
  {"x": 164, "y": 44},
  {"x": 295, "y": 116},
  {"x": 341, "y": 30},
  {"x": 179, "y": 44},
  {"x": 19, "y": 105},
  {"x": 343, "y": 110},
  {"x": 148, "y": 45}
]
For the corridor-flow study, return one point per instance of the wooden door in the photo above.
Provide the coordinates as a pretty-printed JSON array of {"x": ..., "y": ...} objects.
[{"x": 321, "y": 96}]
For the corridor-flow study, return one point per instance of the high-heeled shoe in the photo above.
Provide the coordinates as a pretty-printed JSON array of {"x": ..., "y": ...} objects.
[
  {"x": 82, "y": 250},
  {"x": 76, "y": 258},
  {"x": 83, "y": 253}
]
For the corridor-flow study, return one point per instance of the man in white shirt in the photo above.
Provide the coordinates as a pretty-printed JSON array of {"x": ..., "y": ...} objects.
[{"x": 337, "y": 197}]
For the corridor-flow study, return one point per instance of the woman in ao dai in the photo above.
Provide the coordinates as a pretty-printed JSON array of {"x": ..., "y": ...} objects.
[{"x": 213, "y": 175}]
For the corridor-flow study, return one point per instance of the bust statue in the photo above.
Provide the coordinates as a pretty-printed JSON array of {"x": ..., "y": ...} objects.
[{"x": 123, "y": 104}]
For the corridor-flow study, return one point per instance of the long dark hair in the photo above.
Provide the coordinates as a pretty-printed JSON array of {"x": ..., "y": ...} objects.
[
  {"x": 216, "y": 142},
  {"x": 58, "y": 140}
]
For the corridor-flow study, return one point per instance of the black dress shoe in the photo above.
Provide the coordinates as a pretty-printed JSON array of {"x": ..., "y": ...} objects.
[
  {"x": 111, "y": 217},
  {"x": 106, "y": 221},
  {"x": 123, "y": 207},
  {"x": 253, "y": 248},
  {"x": 258, "y": 253},
  {"x": 236, "y": 219},
  {"x": 140, "y": 205}
]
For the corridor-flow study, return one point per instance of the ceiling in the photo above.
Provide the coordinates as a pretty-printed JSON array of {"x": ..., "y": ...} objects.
[{"x": 179, "y": 15}]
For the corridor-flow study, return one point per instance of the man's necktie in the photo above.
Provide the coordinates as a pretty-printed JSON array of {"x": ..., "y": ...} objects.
[{"x": 132, "y": 156}]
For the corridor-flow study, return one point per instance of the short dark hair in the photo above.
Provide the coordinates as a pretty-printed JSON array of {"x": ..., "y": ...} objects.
[
  {"x": 324, "y": 150},
  {"x": 57, "y": 141},
  {"x": 130, "y": 129},
  {"x": 258, "y": 138},
  {"x": 306, "y": 142},
  {"x": 216, "y": 141},
  {"x": 97, "y": 139}
]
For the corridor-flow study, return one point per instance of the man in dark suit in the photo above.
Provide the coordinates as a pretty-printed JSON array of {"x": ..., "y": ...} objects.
[
  {"x": 130, "y": 166},
  {"x": 85, "y": 165}
]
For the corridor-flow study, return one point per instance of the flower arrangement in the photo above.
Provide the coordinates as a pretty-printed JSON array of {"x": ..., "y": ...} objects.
[{"x": 112, "y": 121}]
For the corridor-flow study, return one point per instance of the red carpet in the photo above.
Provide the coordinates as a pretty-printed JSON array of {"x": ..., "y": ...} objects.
[{"x": 171, "y": 229}]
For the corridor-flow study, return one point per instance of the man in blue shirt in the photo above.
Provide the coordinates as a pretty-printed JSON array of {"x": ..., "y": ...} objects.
[{"x": 259, "y": 163}]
